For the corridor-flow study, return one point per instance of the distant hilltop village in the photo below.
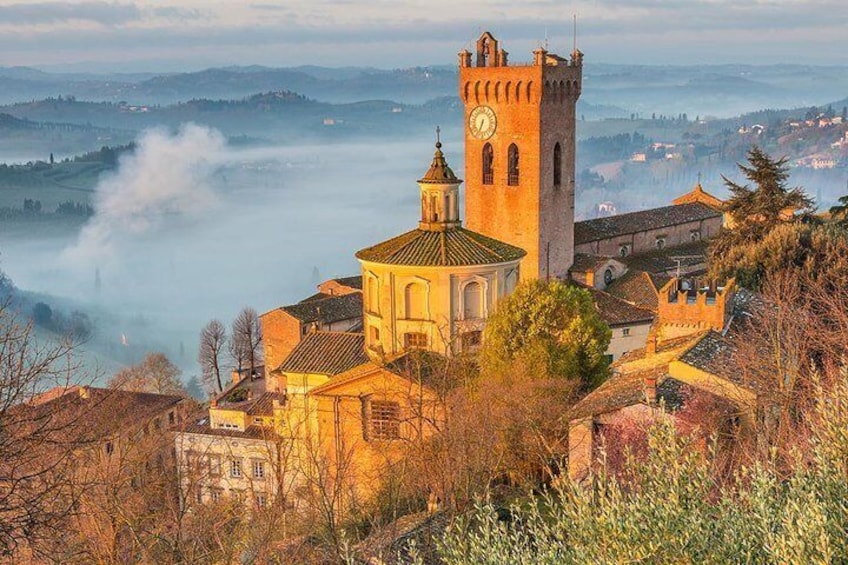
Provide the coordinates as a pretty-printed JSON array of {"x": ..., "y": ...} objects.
[{"x": 350, "y": 372}]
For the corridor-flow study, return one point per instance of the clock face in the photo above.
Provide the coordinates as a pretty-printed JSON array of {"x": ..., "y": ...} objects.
[{"x": 482, "y": 122}]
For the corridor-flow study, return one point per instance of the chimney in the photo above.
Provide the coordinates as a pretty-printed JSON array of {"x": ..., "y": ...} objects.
[
  {"x": 651, "y": 390},
  {"x": 651, "y": 346}
]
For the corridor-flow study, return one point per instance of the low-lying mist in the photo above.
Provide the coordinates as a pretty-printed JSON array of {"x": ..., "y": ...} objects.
[{"x": 189, "y": 228}]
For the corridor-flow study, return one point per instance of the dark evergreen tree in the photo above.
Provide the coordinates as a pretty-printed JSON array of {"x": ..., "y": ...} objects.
[{"x": 763, "y": 204}]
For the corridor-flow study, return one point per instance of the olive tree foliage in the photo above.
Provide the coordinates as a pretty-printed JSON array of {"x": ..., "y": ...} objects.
[
  {"x": 155, "y": 373},
  {"x": 669, "y": 508},
  {"x": 551, "y": 327},
  {"x": 839, "y": 213},
  {"x": 213, "y": 345}
]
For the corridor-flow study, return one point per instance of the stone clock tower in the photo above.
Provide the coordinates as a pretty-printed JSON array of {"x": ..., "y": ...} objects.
[{"x": 519, "y": 152}]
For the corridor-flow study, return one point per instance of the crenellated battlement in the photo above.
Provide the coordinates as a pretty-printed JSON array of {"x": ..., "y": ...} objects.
[
  {"x": 549, "y": 78},
  {"x": 694, "y": 304}
]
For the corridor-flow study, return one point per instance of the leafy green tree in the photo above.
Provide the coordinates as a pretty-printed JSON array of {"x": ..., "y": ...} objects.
[
  {"x": 815, "y": 254},
  {"x": 550, "y": 326},
  {"x": 840, "y": 211}
]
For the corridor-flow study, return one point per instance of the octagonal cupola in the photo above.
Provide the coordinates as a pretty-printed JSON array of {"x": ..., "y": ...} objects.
[{"x": 439, "y": 195}]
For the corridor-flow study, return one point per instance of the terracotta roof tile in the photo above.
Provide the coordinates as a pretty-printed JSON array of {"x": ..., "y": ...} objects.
[
  {"x": 328, "y": 309},
  {"x": 584, "y": 262},
  {"x": 645, "y": 220},
  {"x": 617, "y": 312},
  {"x": 692, "y": 257},
  {"x": 714, "y": 354},
  {"x": 636, "y": 287},
  {"x": 352, "y": 282},
  {"x": 441, "y": 248},
  {"x": 698, "y": 194},
  {"x": 326, "y": 353}
]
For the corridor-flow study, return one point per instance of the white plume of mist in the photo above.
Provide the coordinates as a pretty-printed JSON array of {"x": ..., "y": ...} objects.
[{"x": 168, "y": 175}]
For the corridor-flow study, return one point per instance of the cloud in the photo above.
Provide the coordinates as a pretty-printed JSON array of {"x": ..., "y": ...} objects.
[
  {"x": 105, "y": 13},
  {"x": 398, "y": 33},
  {"x": 167, "y": 177}
]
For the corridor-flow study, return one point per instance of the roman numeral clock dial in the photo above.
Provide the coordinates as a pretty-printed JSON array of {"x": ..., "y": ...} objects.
[{"x": 482, "y": 122}]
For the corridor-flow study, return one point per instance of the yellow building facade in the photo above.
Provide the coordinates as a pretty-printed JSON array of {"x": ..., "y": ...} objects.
[{"x": 433, "y": 287}]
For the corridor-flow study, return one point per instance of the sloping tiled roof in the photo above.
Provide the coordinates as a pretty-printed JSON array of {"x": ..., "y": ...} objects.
[
  {"x": 393, "y": 543},
  {"x": 352, "y": 282},
  {"x": 455, "y": 247},
  {"x": 327, "y": 310},
  {"x": 714, "y": 354},
  {"x": 615, "y": 393},
  {"x": 326, "y": 353},
  {"x": 691, "y": 256},
  {"x": 698, "y": 194},
  {"x": 90, "y": 412},
  {"x": 645, "y": 220},
  {"x": 264, "y": 405},
  {"x": 636, "y": 287},
  {"x": 617, "y": 312},
  {"x": 584, "y": 262}
]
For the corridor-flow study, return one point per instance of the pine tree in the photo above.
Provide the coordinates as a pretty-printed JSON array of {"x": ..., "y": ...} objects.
[{"x": 764, "y": 204}]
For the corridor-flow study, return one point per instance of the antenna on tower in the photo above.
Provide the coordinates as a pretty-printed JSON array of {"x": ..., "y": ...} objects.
[
  {"x": 546, "y": 38},
  {"x": 575, "y": 34},
  {"x": 438, "y": 136}
]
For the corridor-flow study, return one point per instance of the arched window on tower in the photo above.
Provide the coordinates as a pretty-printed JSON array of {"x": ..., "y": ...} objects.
[
  {"x": 557, "y": 164},
  {"x": 414, "y": 301},
  {"x": 472, "y": 301},
  {"x": 488, "y": 164},
  {"x": 512, "y": 160}
]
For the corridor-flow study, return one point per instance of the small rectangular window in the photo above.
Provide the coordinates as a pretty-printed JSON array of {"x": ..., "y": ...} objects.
[
  {"x": 215, "y": 494},
  {"x": 171, "y": 418},
  {"x": 235, "y": 468},
  {"x": 261, "y": 500},
  {"x": 415, "y": 340},
  {"x": 385, "y": 419},
  {"x": 258, "y": 469},
  {"x": 625, "y": 332}
]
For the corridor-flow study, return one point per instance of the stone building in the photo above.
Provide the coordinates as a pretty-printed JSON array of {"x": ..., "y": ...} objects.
[
  {"x": 519, "y": 151},
  {"x": 433, "y": 287},
  {"x": 646, "y": 231}
]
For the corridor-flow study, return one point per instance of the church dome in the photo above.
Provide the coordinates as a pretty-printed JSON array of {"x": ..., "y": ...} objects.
[{"x": 454, "y": 248}]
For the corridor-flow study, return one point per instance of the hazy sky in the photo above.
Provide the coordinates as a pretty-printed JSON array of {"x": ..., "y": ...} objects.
[{"x": 186, "y": 34}]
